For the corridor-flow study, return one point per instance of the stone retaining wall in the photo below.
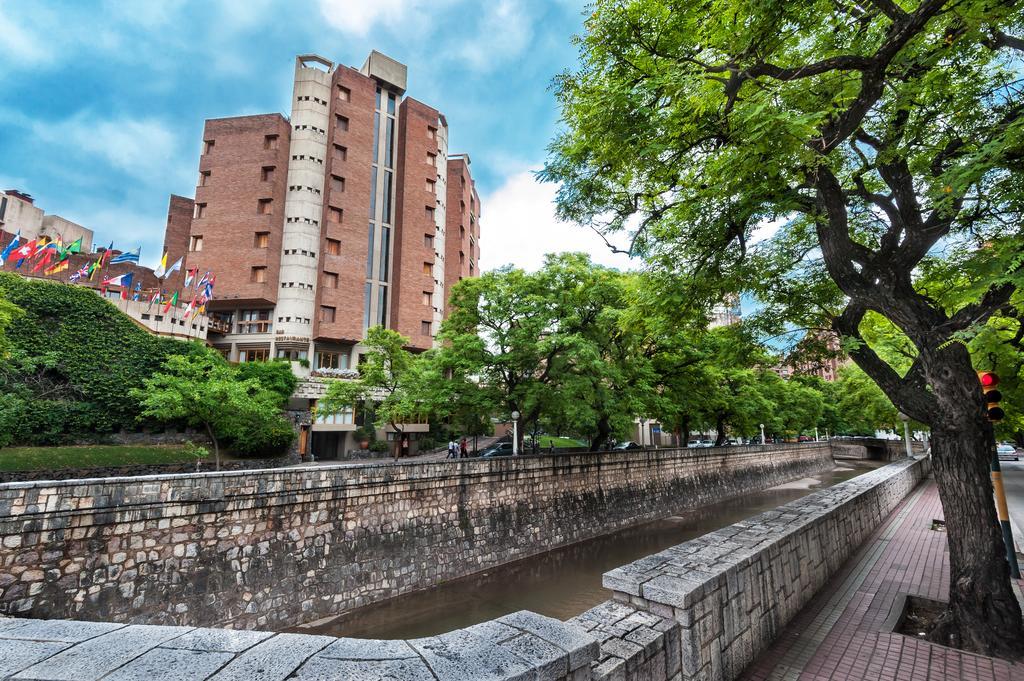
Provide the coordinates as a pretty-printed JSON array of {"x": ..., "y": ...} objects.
[
  {"x": 272, "y": 549},
  {"x": 706, "y": 608},
  {"x": 139, "y": 470}
]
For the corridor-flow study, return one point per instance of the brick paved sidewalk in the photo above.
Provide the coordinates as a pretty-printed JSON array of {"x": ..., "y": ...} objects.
[{"x": 838, "y": 635}]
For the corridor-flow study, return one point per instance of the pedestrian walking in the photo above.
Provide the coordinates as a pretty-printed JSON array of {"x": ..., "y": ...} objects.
[
  {"x": 464, "y": 449},
  {"x": 452, "y": 449}
]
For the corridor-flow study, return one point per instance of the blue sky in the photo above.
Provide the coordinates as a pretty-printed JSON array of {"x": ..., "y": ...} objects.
[{"x": 103, "y": 102}]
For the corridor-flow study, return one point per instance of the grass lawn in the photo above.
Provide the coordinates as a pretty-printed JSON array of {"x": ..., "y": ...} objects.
[
  {"x": 43, "y": 458},
  {"x": 548, "y": 440}
]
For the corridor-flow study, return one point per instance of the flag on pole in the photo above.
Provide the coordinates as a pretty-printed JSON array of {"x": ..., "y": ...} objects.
[
  {"x": 173, "y": 302},
  {"x": 25, "y": 252},
  {"x": 119, "y": 280},
  {"x": 138, "y": 291},
  {"x": 58, "y": 267},
  {"x": 6, "y": 253},
  {"x": 130, "y": 256},
  {"x": 161, "y": 268},
  {"x": 81, "y": 273},
  {"x": 175, "y": 267},
  {"x": 73, "y": 247},
  {"x": 98, "y": 265},
  {"x": 126, "y": 285},
  {"x": 190, "y": 276},
  {"x": 204, "y": 279},
  {"x": 43, "y": 258}
]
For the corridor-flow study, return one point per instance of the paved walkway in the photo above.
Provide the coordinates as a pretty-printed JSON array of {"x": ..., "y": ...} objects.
[{"x": 839, "y": 636}]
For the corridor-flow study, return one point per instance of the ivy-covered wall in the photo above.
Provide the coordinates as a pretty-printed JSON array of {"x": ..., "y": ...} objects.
[{"x": 73, "y": 359}]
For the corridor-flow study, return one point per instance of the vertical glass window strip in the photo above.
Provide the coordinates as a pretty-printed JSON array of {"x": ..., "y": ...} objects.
[
  {"x": 373, "y": 192},
  {"x": 387, "y": 197},
  {"x": 376, "y": 135},
  {"x": 385, "y": 245},
  {"x": 389, "y": 143},
  {"x": 391, "y": 104},
  {"x": 366, "y": 306},
  {"x": 382, "y": 306},
  {"x": 378, "y": 98},
  {"x": 369, "y": 254}
]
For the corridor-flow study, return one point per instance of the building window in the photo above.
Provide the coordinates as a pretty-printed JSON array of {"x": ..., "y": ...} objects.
[
  {"x": 341, "y": 123},
  {"x": 425, "y": 328},
  {"x": 270, "y": 141},
  {"x": 204, "y": 178},
  {"x": 431, "y": 132},
  {"x": 200, "y": 211},
  {"x": 431, "y": 159},
  {"x": 340, "y": 152},
  {"x": 430, "y": 214},
  {"x": 462, "y": 257},
  {"x": 195, "y": 242},
  {"x": 344, "y": 94},
  {"x": 254, "y": 355},
  {"x": 331, "y": 360},
  {"x": 337, "y": 184},
  {"x": 428, "y": 240},
  {"x": 258, "y": 275},
  {"x": 369, "y": 252},
  {"x": 391, "y": 103},
  {"x": 262, "y": 240},
  {"x": 366, "y": 305},
  {"x": 326, "y": 313},
  {"x": 265, "y": 206},
  {"x": 334, "y": 215},
  {"x": 207, "y": 146},
  {"x": 330, "y": 280},
  {"x": 267, "y": 174},
  {"x": 427, "y": 298},
  {"x": 254, "y": 321},
  {"x": 344, "y": 417},
  {"x": 291, "y": 355},
  {"x": 333, "y": 247},
  {"x": 430, "y": 186},
  {"x": 462, "y": 233},
  {"x": 428, "y": 268}
]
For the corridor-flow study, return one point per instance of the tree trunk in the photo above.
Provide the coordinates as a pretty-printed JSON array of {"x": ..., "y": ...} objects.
[
  {"x": 216, "y": 447},
  {"x": 983, "y": 614},
  {"x": 603, "y": 431},
  {"x": 719, "y": 431}
]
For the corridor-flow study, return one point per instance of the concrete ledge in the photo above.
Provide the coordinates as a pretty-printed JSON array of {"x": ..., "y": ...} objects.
[
  {"x": 522, "y": 646},
  {"x": 731, "y": 591}
]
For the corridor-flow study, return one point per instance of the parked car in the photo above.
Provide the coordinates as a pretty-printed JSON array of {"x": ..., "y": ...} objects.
[
  {"x": 805, "y": 438},
  {"x": 627, "y": 445},
  {"x": 701, "y": 443},
  {"x": 497, "y": 449},
  {"x": 1007, "y": 452}
]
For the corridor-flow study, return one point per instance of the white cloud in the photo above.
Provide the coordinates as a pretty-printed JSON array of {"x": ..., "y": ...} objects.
[
  {"x": 505, "y": 31},
  {"x": 519, "y": 226},
  {"x": 357, "y": 17},
  {"x": 18, "y": 44}
]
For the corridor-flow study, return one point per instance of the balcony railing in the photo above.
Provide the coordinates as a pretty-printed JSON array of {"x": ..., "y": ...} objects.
[{"x": 260, "y": 326}]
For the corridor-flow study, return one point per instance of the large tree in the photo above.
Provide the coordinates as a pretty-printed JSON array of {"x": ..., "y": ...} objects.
[{"x": 881, "y": 132}]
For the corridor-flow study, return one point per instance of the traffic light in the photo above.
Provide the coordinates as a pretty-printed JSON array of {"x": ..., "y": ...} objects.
[{"x": 989, "y": 380}]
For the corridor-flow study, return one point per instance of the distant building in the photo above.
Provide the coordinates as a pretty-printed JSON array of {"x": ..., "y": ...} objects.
[
  {"x": 18, "y": 211},
  {"x": 727, "y": 312},
  {"x": 824, "y": 359}
]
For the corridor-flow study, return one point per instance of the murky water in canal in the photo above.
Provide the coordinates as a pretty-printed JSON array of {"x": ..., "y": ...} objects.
[{"x": 564, "y": 582}]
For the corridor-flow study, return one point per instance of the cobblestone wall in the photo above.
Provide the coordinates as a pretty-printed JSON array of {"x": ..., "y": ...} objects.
[
  {"x": 706, "y": 608},
  {"x": 269, "y": 549},
  {"x": 139, "y": 469}
]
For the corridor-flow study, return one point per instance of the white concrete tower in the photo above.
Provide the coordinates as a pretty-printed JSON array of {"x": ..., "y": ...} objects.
[
  {"x": 303, "y": 206},
  {"x": 440, "y": 220}
]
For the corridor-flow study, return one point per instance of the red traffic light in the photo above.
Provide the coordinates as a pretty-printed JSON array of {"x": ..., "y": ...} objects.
[{"x": 988, "y": 379}]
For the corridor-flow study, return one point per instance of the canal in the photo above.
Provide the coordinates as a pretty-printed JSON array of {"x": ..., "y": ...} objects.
[{"x": 564, "y": 582}]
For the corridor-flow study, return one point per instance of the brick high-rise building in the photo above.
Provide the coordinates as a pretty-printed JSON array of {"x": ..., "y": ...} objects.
[{"x": 347, "y": 215}]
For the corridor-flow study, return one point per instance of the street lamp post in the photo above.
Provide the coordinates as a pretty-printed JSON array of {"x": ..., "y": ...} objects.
[
  {"x": 762, "y": 434},
  {"x": 815, "y": 433},
  {"x": 906, "y": 432},
  {"x": 515, "y": 433}
]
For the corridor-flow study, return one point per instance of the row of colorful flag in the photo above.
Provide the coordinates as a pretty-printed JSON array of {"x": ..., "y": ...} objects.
[{"x": 52, "y": 257}]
